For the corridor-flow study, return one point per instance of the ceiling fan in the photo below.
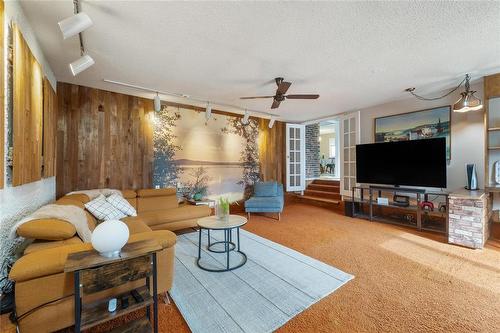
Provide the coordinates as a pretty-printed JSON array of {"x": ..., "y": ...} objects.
[{"x": 280, "y": 94}]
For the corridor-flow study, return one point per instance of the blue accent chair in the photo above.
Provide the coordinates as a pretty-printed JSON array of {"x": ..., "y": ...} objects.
[{"x": 267, "y": 198}]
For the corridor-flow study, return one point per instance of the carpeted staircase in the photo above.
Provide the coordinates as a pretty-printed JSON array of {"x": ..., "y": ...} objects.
[{"x": 322, "y": 192}]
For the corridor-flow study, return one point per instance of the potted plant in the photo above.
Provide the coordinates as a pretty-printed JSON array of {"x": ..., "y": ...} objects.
[{"x": 222, "y": 208}]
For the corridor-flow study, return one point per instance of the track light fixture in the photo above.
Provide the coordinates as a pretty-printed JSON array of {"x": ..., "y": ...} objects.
[
  {"x": 74, "y": 25},
  {"x": 157, "y": 103},
  {"x": 271, "y": 122},
  {"x": 244, "y": 121},
  {"x": 467, "y": 101},
  {"x": 81, "y": 64},
  {"x": 208, "y": 111}
]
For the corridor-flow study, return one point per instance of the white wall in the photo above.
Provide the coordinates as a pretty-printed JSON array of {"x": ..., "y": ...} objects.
[{"x": 467, "y": 132}]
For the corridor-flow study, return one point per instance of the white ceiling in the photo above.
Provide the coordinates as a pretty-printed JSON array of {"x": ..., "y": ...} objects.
[{"x": 354, "y": 54}]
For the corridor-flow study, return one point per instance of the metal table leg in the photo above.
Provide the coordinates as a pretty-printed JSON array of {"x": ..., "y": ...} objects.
[
  {"x": 155, "y": 295},
  {"x": 78, "y": 303}
]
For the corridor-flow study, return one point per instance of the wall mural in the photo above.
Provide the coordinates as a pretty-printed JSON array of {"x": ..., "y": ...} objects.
[{"x": 205, "y": 158}]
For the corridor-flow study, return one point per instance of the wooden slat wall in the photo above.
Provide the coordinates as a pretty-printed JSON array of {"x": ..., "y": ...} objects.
[
  {"x": 49, "y": 129},
  {"x": 2, "y": 110},
  {"x": 272, "y": 151},
  {"x": 108, "y": 148},
  {"x": 27, "y": 113}
]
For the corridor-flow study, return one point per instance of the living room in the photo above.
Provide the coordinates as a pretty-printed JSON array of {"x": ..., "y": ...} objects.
[{"x": 249, "y": 166}]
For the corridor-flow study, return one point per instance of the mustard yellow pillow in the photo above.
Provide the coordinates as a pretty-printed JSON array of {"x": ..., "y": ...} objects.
[{"x": 47, "y": 229}]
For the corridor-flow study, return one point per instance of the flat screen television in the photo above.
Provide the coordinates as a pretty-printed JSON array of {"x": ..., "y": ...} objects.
[{"x": 411, "y": 163}]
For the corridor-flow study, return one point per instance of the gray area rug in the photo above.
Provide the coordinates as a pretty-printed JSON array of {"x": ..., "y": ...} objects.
[{"x": 275, "y": 284}]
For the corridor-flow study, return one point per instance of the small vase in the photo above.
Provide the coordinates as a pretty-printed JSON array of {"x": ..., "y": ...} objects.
[{"x": 221, "y": 211}]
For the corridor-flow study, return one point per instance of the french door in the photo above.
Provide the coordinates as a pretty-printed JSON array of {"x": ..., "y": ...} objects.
[
  {"x": 295, "y": 157},
  {"x": 349, "y": 138}
]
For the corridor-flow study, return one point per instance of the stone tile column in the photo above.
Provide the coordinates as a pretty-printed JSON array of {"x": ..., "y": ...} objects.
[{"x": 469, "y": 214}]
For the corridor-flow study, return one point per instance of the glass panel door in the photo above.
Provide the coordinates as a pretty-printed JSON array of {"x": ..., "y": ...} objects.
[
  {"x": 295, "y": 157},
  {"x": 349, "y": 137}
]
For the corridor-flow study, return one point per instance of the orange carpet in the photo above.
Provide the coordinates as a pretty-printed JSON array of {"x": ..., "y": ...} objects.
[{"x": 405, "y": 281}]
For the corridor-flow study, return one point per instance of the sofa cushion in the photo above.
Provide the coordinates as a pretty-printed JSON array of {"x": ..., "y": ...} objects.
[
  {"x": 151, "y": 203},
  {"x": 264, "y": 202},
  {"x": 43, "y": 244},
  {"x": 173, "y": 215},
  {"x": 265, "y": 189},
  {"x": 47, "y": 229},
  {"x": 156, "y": 192},
  {"x": 80, "y": 197},
  {"x": 135, "y": 224},
  {"x": 121, "y": 204},
  {"x": 70, "y": 201},
  {"x": 129, "y": 194},
  {"x": 103, "y": 210}
]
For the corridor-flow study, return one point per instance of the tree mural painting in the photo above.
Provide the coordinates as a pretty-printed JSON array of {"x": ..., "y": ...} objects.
[
  {"x": 165, "y": 172},
  {"x": 198, "y": 185},
  {"x": 250, "y": 153}
]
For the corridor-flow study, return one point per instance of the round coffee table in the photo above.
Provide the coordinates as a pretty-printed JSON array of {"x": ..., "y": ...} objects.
[{"x": 227, "y": 225}]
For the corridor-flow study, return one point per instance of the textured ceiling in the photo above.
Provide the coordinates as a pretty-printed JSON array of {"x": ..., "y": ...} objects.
[{"x": 354, "y": 54}]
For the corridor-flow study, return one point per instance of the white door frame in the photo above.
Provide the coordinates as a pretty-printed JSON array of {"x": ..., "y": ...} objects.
[
  {"x": 350, "y": 136},
  {"x": 298, "y": 151}
]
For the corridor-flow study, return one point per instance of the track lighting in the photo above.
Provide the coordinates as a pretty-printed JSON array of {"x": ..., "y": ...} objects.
[
  {"x": 75, "y": 24},
  {"x": 271, "y": 122},
  {"x": 208, "y": 111},
  {"x": 81, "y": 64},
  {"x": 157, "y": 103},
  {"x": 244, "y": 121}
]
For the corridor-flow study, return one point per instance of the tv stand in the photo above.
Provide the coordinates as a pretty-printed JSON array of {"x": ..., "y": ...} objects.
[{"x": 412, "y": 215}]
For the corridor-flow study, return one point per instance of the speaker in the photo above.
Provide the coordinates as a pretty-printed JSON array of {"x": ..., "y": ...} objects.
[
  {"x": 348, "y": 208},
  {"x": 471, "y": 177}
]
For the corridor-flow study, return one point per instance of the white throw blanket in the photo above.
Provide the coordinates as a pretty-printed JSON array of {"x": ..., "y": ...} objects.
[
  {"x": 69, "y": 213},
  {"x": 92, "y": 194}
]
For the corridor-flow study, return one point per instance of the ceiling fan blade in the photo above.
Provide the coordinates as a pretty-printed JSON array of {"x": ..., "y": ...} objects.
[
  {"x": 283, "y": 87},
  {"x": 275, "y": 105},
  {"x": 255, "y": 97},
  {"x": 307, "y": 96}
]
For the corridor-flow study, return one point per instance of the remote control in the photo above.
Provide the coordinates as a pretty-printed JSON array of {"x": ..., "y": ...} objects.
[
  {"x": 138, "y": 298},
  {"x": 124, "y": 301}
]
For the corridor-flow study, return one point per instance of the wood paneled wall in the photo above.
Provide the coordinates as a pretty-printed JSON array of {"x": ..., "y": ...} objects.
[
  {"x": 49, "y": 129},
  {"x": 2, "y": 94},
  {"x": 272, "y": 151},
  {"x": 104, "y": 139},
  {"x": 27, "y": 113}
]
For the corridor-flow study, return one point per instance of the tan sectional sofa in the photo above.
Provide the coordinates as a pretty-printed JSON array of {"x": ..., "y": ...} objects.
[{"x": 44, "y": 293}]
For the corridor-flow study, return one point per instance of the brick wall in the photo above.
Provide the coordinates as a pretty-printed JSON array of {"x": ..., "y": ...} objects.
[
  {"x": 312, "y": 151},
  {"x": 468, "y": 221}
]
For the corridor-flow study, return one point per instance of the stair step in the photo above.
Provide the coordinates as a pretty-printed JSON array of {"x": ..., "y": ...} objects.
[
  {"x": 326, "y": 182},
  {"x": 324, "y": 188},
  {"x": 307, "y": 198},
  {"x": 322, "y": 194}
]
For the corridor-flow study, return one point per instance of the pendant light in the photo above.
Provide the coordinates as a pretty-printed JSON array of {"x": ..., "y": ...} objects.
[
  {"x": 157, "y": 103},
  {"x": 467, "y": 102}
]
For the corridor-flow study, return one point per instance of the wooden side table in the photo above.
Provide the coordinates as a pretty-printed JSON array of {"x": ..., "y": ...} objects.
[{"x": 94, "y": 273}]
